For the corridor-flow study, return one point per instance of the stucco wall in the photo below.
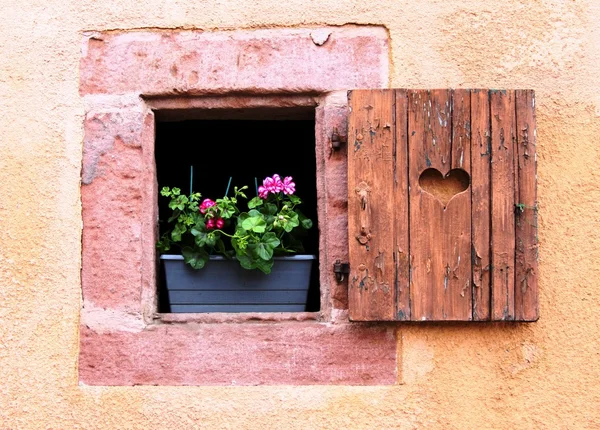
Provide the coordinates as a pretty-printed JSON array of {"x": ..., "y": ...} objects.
[{"x": 541, "y": 375}]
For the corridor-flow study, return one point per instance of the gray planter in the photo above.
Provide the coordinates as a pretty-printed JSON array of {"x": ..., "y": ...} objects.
[{"x": 223, "y": 286}]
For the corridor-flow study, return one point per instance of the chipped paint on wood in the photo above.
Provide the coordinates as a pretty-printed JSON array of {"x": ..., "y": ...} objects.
[{"x": 460, "y": 148}]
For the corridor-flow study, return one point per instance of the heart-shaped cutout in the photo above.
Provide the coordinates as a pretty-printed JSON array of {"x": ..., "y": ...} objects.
[{"x": 442, "y": 187}]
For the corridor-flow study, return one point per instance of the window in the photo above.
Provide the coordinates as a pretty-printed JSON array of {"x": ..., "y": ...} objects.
[
  {"x": 244, "y": 145},
  {"x": 129, "y": 81}
]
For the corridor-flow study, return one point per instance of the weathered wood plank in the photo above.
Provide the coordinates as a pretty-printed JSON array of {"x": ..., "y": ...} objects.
[
  {"x": 401, "y": 220},
  {"x": 480, "y": 198},
  {"x": 372, "y": 276},
  {"x": 422, "y": 284},
  {"x": 502, "y": 105},
  {"x": 461, "y": 129},
  {"x": 526, "y": 247},
  {"x": 440, "y": 236},
  {"x": 458, "y": 296}
]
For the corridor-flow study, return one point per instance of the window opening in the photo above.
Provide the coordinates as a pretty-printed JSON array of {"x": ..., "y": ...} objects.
[{"x": 241, "y": 144}]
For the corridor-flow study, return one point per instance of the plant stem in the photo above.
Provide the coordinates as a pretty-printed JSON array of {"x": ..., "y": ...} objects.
[{"x": 228, "y": 185}]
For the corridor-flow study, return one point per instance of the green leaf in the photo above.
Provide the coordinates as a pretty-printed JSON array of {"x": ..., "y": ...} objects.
[
  {"x": 271, "y": 240},
  {"x": 264, "y": 266},
  {"x": 179, "y": 203},
  {"x": 270, "y": 209},
  {"x": 255, "y": 202},
  {"x": 211, "y": 239},
  {"x": 165, "y": 192},
  {"x": 291, "y": 223},
  {"x": 227, "y": 212},
  {"x": 269, "y": 220},
  {"x": 246, "y": 262},
  {"x": 242, "y": 217},
  {"x": 226, "y": 207},
  {"x": 187, "y": 220},
  {"x": 178, "y": 230},
  {"x": 255, "y": 223},
  {"x": 163, "y": 245},
  {"x": 199, "y": 225},
  {"x": 196, "y": 259},
  {"x": 201, "y": 239},
  {"x": 305, "y": 222},
  {"x": 295, "y": 199},
  {"x": 264, "y": 248},
  {"x": 263, "y": 251}
]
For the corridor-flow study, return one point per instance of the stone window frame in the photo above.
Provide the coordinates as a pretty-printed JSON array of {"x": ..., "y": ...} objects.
[{"x": 125, "y": 77}]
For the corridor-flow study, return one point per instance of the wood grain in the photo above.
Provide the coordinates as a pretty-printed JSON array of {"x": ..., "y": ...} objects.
[
  {"x": 526, "y": 246},
  {"x": 372, "y": 279},
  {"x": 480, "y": 198},
  {"x": 458, "y": 297},
  {"x": 502, "y": 105},
  {"x": 440, "y": 237},
  {"x": 422, "y": 284},
  {"x": 401, "y": 220},
  {"x": 458, "y": 251}
]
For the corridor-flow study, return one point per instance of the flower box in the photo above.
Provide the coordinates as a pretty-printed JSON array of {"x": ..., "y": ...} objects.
[{"x": 224, "y": 286}]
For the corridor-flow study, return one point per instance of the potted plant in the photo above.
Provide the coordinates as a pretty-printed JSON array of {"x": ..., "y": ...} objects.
[{"x": 237, "y": 261}]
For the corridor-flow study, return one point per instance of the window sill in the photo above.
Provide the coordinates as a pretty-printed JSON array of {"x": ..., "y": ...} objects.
[{"x": 218, "y": 317}]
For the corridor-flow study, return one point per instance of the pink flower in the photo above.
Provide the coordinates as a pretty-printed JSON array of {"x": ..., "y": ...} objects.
[
  {"x": 207, "y": 203},
  {"x": 288, "y": 187},
  {"x": 220, "y": 223},
  {"x": 278, "y": 186},
  {"x": 210, "y": 224},
  {"x": 263, "y": 192},
  {"x": 269, "y": 184},
  {"x": 275, "y": 185}
]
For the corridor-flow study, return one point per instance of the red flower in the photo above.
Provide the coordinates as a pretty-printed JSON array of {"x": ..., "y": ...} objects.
[{"x": 207, "y": 203}]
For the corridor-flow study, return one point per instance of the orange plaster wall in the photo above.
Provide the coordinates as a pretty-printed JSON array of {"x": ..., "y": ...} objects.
[{"x": 542, "y": 375}]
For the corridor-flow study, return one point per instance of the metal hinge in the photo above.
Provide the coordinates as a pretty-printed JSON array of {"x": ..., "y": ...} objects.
[
  {"x": 337, "y": 139},
  {"x": 340, "y": 269}
]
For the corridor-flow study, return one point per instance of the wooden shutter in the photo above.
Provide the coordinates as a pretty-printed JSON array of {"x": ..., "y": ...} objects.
[{"x": 442, "y": 208}]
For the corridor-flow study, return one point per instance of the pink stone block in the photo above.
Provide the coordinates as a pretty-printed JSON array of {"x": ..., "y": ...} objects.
[
  {"x": 115, "y": 199},
  {"x": 332, "y": 117},
  {"x": 263, "y": 61},
  {"x": 240, "y": 354}
]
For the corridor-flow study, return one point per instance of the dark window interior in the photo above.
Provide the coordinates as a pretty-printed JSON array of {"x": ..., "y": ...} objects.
[{"x": 244, "y": 147}]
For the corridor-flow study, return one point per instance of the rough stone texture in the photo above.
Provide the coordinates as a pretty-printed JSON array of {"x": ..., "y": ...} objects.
[
  {"x": 543, "y": 375},
  {"x": 332, "y": 183},
  {"x": 194, "y": 62},
  {"x": 118, "y": 188},
  {"x": 241, "y": 354},
  {"x": 119, "y": 207}
]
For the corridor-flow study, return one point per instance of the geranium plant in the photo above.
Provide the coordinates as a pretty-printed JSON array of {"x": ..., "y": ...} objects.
[{"x": 272, "y": 225}]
